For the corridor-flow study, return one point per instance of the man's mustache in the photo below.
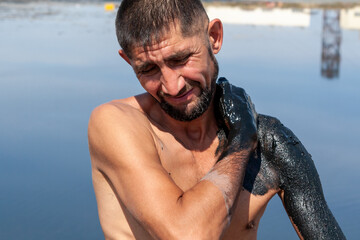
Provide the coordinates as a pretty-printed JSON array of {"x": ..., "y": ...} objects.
[{"x": 188, "y": 86}]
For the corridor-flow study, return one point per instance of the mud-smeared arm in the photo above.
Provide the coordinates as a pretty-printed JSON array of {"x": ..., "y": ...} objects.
[{"x": 301, "y": 190}]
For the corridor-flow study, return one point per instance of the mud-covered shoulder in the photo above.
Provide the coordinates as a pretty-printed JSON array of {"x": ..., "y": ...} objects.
[
  {"x": 271, "y": 132},
  {"x": 282, "y": 148},
  {"x": 261, "y": 173}
]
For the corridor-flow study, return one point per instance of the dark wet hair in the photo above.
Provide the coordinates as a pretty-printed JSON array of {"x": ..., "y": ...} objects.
[{"x": 143, "y": 22}]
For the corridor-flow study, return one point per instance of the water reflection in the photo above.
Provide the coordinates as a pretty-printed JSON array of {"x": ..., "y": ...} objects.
[
  {"x": 276, "y": 15},
  {"x": 331, "y": 41}
]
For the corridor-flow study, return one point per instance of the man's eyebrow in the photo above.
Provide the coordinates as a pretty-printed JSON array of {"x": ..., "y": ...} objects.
[
  {"x": 178, "y": 55},
  {"x": 142, "y": 66}
]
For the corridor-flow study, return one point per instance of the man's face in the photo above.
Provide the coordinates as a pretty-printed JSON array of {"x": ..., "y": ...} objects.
[{"x": 180, "y": 73}]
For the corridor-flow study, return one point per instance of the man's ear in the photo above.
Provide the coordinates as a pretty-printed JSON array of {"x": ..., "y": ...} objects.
[
  {"x": 215, "y": 31},
  {"x": 124, "y": 56}
]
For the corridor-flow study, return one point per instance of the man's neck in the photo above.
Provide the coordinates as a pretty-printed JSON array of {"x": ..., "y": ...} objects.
[{"x": 195, "y": 134}]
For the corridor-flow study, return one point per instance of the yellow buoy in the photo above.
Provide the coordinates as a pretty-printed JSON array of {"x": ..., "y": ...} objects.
[{"x": 109, "y": 6}]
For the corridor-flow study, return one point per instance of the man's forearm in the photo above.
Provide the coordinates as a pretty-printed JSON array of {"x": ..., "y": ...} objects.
[
  {"x": 204, "y": 201},
  {"x": 228, "y": 175},
  {"x": 239, "y": 116}
]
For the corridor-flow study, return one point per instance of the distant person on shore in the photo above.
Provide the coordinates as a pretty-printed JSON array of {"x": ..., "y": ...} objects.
[{"x": 190, "y": 158}]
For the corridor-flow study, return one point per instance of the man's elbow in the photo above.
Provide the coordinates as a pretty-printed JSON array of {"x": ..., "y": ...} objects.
[
  {"x": 192, "y": 233},
  {"x": 192, "y": 221},
  {"x": 183, "y": 228}
]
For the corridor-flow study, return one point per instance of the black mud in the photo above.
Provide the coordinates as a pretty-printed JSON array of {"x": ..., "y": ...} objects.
[{"x": 281, "y": 162}]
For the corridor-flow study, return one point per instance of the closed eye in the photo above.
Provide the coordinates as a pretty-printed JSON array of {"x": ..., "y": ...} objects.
[
  {"x": 180, "y": 61},
  {"x": 149, "y": 70}
]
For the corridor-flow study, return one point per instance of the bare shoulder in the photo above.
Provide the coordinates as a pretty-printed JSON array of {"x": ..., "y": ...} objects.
[
  {"x": 122, "y": 150},
  {"x": 121, "y": 109},
  {"x": 117, "y": 127},
  {"x": 134, "y": 108}
]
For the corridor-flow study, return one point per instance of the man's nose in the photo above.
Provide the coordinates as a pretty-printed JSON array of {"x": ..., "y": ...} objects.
[{"x": 171, "y": 81}]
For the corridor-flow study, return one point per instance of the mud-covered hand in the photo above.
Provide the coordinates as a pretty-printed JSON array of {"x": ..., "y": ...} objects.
[{"x": 238, "y": 114}]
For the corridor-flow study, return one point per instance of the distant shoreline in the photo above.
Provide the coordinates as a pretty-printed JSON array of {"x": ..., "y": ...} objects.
[
  {"x": 283, "y": 4},
  {"x": 323, "y": 4}
]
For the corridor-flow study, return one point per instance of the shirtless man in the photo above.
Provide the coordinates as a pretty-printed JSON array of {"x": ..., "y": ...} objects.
[{"x": 190, "y": 159}]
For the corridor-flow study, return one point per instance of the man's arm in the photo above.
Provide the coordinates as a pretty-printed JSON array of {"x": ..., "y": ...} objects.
[
  {"x": 123, "y": 149},
  {"x": 301, "y": 190}
]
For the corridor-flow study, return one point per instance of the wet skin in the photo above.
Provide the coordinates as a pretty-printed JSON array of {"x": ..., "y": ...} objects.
[{"x": 281, "y": 162}]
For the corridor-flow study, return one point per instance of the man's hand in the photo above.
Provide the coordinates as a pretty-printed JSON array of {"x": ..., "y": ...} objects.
[{"x": 238, "y": 114}]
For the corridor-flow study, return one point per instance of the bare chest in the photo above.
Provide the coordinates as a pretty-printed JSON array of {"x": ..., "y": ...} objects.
[{"x": 186, "y": 165}]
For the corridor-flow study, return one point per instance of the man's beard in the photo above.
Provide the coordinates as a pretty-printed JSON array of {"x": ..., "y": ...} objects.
[{"x": 202, "y": 103}]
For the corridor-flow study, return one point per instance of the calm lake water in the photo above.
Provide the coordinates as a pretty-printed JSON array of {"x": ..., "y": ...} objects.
[{"x": 59, "y": 60}]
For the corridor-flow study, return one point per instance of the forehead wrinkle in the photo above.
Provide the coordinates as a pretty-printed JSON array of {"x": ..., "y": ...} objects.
[
  {"x": 144, "y": 56},
  {"x": 173, "y": 56},
  {"x": 171, "y": 46},
  {"x": 141, "y": 53},
  {"x": 168, "y": 38}
]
